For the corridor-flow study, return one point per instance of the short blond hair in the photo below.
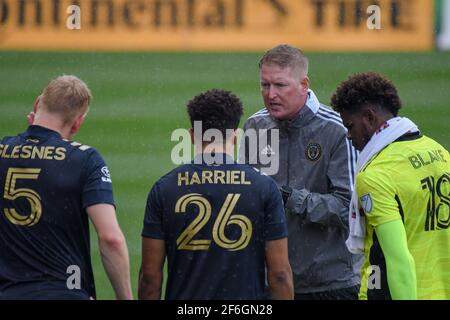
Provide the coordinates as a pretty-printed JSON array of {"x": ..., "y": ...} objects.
[
  {"x": 285, "y": 55},
  {"x": 67, "y": 96}
]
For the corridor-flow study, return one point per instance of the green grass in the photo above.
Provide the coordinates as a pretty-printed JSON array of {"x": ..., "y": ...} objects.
[{"x": 139, "y": 99}]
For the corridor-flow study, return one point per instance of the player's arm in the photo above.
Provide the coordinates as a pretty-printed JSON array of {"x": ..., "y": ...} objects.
[
  {"x": 279, "y": 271},
  {"x": 151, "y": 272},
  {"x": 376, "y": 190},
  {"x": 153, "y": 247},
  {"x": 113, "y": 248},
  {"x": 401, "y": 272}
]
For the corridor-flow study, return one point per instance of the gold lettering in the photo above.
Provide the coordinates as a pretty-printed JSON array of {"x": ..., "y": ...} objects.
[
  {"x": 5, "y": 154},
  {"x": 243, "y": 181},
  {"x": 219, "y": 175},
  {"x": 183, "y": 177},
  {"x": 1, "y": 149},
  {"x": 48, "y": 154},
  {"x": 37, "y": 153},
  {"x": 228, "y": 177},
  {"x": 235, "y": 177},
  {"x": 15, "y": 151},
  {"x": 207, "y": 176},
  {"x": 26, "y": 152},
  {"x": 60, "y": 154},
  {"x": 195, "y": 178}
]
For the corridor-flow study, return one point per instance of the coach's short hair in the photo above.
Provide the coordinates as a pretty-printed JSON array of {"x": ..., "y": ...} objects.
[
  {"x": 285, "y": 55},
  {"x": 66, "y": 96},
  {"x": 216, "y": 109},
  {"x": 362, "y": 89}
]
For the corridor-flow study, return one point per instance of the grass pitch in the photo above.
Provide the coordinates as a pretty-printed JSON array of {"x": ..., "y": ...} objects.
[{"x": 140, "y": 98}]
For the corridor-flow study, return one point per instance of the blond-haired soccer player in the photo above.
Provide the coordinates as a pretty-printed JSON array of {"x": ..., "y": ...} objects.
[
  {"x": 400, "y": 217},
  {"x": 50, "y": 186}
]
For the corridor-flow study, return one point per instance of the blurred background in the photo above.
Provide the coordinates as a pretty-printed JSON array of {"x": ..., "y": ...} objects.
[{"x": 144, "y": 59}]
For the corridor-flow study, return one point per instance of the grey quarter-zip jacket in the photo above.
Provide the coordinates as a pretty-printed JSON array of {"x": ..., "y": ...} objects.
[{"x": 317, "y": 161}]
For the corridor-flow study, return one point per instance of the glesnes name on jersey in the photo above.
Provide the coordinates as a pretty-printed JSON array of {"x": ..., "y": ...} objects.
[
  {"x": 32, "y": 152},
  {"x": 212, "y": 177}
]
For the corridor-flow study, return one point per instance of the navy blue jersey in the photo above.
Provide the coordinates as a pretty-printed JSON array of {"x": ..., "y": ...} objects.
[
  {"x": 46, "y": 184},
  {"x": 215, "y": 221}
]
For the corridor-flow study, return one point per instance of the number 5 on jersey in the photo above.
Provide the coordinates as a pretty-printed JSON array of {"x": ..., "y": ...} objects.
[
  {"x": 11, "y": 193},
  {"x": 225, "y": 218}
]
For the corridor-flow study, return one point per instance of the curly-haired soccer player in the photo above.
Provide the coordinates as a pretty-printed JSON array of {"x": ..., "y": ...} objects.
[
  {"x": 219, "y": 223},
  {"x": 399, "y": 215}
]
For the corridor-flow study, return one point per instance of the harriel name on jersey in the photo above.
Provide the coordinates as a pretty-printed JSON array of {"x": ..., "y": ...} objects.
[{"x": 213, "y": 177}]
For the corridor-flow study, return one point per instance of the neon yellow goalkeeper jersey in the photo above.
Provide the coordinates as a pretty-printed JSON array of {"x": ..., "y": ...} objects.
[{"x": 408, "y": 180}]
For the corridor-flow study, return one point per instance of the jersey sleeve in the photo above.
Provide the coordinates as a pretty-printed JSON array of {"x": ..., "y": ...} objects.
[
  {"x": 98, "y": 184},
  {"x": 376, "y": 197},
  {"x": 153, "y": 219},
  {"x": 274, "y": 217}
]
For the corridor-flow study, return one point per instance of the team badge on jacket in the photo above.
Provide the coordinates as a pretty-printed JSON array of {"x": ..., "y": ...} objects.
[{"x": 313, "y": 151}]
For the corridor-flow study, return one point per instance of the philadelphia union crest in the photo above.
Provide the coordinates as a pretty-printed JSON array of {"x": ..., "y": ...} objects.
[{"x": 313, "y": 151}]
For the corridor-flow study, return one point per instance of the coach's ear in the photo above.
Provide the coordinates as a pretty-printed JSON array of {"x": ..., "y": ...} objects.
[{"x": 304, "y": 85}]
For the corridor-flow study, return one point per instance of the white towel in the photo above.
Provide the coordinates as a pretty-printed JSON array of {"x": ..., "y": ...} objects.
[{"x": 392, "y": 130}]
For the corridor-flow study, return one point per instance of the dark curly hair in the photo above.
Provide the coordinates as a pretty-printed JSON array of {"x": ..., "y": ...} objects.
[
  {"x": 363, "y": 89},
  {"x": 216, "y": 109}
]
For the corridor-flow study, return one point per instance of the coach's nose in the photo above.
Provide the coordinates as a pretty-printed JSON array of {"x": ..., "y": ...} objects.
[{"x": 272, "y": 92}]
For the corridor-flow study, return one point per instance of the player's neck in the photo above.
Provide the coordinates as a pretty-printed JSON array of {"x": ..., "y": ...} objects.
[
  {"x": 216, "y": 148},
  {"x": 54, "y": 124}
]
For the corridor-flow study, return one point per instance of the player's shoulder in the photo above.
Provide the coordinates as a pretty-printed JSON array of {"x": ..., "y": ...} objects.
[
  {"x": 80, "y": 148},
  {"x": 82, "y": 152},
  {"x": 434, "y": 144},
  {"x": 10, "y": 139},
  {"x": 172, "y": 175},
  {"x": 377, "y": 173},
  {"x": 75, "y": 145},
  {"x": 259, "y": 177}
]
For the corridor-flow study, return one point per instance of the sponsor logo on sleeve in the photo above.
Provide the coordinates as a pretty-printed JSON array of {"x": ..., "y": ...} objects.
[
  {"x": 366, "y": 203},
  {"x": 106, "y": 175}
]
